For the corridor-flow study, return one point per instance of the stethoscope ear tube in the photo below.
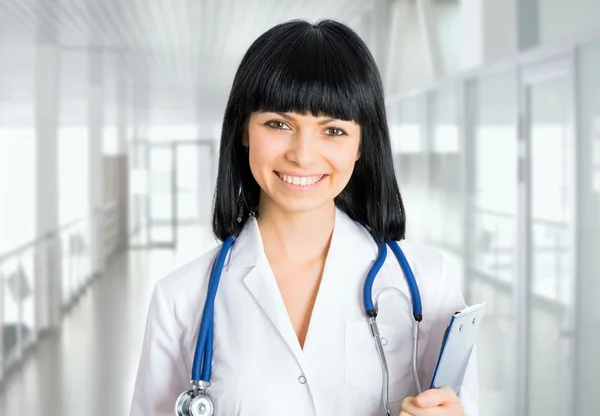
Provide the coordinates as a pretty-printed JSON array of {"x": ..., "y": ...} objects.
[
  {"x": 371, "y": 311},
  {"x": 384, "y": 367},
  {"x": 415, "y": 357}
]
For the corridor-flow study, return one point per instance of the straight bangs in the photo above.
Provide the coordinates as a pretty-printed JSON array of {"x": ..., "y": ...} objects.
[{"x": 310, "y": 71}]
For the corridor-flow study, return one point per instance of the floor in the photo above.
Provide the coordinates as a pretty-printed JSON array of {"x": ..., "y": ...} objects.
[{"x": 89, "y": 367}]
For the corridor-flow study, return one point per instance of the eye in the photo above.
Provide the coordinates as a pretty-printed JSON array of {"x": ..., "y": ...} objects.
[
  {"x": 277, "y": 125},
  {"x": 334, "y": 131}
]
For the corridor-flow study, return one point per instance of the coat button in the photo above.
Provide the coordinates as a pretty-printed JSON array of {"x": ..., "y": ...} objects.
[{"x": 301, "y": 379}]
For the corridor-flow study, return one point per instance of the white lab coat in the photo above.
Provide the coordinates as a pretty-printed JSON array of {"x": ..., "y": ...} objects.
[{"x": 258, "y": 365}]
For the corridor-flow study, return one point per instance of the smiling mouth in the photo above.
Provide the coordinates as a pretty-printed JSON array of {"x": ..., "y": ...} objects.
[{"x": 300, "y": 180}]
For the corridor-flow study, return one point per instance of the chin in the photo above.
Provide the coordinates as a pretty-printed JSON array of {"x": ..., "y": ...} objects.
[{"x": 299, "y": 206}]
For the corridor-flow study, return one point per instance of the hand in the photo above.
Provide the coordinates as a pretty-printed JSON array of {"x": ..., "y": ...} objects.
[{"x": 433, "y": 402}]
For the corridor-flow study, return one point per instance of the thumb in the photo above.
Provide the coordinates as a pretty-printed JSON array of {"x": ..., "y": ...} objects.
[
  {"x": 436, "y": 397},
  {"x": 427, "y": 399}
]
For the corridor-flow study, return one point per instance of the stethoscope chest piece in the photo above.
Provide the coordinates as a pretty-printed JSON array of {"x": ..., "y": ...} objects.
[
  {"x": 202, "y": 406},
  {"x": 182, "y": 405},
  {"x": 188, "y": 405}
]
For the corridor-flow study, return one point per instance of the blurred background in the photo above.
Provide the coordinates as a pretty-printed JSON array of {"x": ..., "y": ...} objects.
[{"x": 110, "y": 116}]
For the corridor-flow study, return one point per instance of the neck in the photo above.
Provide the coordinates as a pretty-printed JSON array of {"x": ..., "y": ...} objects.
[{"x": 296, "y": 237}]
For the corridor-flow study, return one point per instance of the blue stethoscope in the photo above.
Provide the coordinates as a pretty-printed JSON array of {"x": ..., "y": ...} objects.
[{"x": 197, "y": 402}]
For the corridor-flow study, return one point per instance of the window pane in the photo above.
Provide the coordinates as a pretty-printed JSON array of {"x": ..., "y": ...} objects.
[{"x": 494, "y": 237}]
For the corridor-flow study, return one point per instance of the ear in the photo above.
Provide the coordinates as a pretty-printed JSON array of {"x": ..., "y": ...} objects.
[{"x": 357, "y": 155}]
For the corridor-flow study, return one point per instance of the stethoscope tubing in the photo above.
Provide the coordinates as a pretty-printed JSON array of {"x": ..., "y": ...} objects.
[
  {"x": 370, "y": 279},
  {"x": 201, "y": 367},
  {"x": 410, "y": 280}
]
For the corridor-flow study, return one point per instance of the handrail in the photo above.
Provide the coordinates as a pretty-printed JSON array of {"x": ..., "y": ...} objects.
[
  {"x": 549, "y": 304},
  {"x": 65, "y": 265},
  {"x": 24, "y": 247},
  {"x": 47, "y": 235},
  {"x": 502, "y": 214}
]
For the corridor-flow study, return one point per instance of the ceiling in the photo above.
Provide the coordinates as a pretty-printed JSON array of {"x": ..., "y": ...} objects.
[
  {"x": 187, "y": 42},
  {"x": 187, "y": 51}
]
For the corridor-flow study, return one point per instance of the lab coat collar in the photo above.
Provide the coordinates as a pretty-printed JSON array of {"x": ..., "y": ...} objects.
[
  {"x": 347, "y": 249},
  {"x": 247, "y": 248}
]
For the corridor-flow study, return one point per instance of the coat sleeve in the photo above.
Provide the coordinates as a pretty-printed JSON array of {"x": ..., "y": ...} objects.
[
  {"x": 449, "y": 299},
  {"x": 161, "y": 375}
]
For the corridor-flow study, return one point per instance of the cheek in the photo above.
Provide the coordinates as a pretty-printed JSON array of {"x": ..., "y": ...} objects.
[
  {"x": 257, "y": 147},
  {"x": 263, "y": 153},
  {"x": 344, "y": 162},
  {"x": 343, "y": 169},
  {"x": 257, "y": 160}
]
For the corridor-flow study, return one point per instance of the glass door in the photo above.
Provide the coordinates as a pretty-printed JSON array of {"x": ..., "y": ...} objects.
[
  {"x": 162, "y": 215},
  {"x": 588, "y": 216},
  {"x": 491, "y": 232},
  {"x": 186, "y": 169},
  {"x": 547, "y": 213},
  {"x": 195, "y": 181}
]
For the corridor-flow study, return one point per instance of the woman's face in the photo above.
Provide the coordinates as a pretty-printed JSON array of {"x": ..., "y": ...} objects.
[{"x": 300, "y": 162}]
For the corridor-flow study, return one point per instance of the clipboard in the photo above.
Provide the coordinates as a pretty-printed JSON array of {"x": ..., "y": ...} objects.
[{"x": 457, "y": 345}]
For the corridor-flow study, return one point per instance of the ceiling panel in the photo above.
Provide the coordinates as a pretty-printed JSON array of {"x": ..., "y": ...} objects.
[{"x": 184, "y": 39}]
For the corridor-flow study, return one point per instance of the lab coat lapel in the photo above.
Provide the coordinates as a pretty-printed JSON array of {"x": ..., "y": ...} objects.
[
  {"x": 263, "y": 286},
  {"x": 261, "y": 283},
  {"x": 346, "y": 251}
]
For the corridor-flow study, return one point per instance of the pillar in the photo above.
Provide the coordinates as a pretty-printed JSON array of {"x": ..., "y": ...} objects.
[
  {"x": 96, "y": 130},
  {"x": 48, "y": 283}
]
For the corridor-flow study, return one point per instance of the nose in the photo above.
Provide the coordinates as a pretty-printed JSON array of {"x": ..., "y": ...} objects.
[{"x": 303, "y": 149}]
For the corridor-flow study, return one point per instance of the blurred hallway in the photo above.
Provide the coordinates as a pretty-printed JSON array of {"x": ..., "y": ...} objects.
[
  {"x": 110, "y": 119},
  {"x": 90, "y": 366}
]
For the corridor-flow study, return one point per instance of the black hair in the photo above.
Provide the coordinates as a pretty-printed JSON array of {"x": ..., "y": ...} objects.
[{"x": 324, "y": 69}]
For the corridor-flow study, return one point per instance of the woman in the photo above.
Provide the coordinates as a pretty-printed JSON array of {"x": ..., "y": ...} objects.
[{"x": 305, "y": 154}]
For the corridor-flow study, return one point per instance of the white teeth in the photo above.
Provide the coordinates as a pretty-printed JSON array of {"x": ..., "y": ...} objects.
[{"x": 300, "y": 180}]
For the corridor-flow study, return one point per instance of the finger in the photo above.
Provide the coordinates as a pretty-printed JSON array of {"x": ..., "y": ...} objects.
[
  {"x": 450, "y": 409},
  {"x": 436, "y": 397},
  {"x": 410, "y": 407},
  {"x": 408, "y": 401}
]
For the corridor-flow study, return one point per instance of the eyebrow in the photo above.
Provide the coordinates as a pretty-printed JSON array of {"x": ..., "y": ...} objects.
[{"x": 292, "y": 118}]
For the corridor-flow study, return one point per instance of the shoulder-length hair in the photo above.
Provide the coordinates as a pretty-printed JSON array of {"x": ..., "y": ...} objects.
[{"x": 324, "y": 69}]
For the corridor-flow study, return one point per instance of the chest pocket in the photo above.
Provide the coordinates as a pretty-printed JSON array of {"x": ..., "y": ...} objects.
[{"x": 363, "y": 367}]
